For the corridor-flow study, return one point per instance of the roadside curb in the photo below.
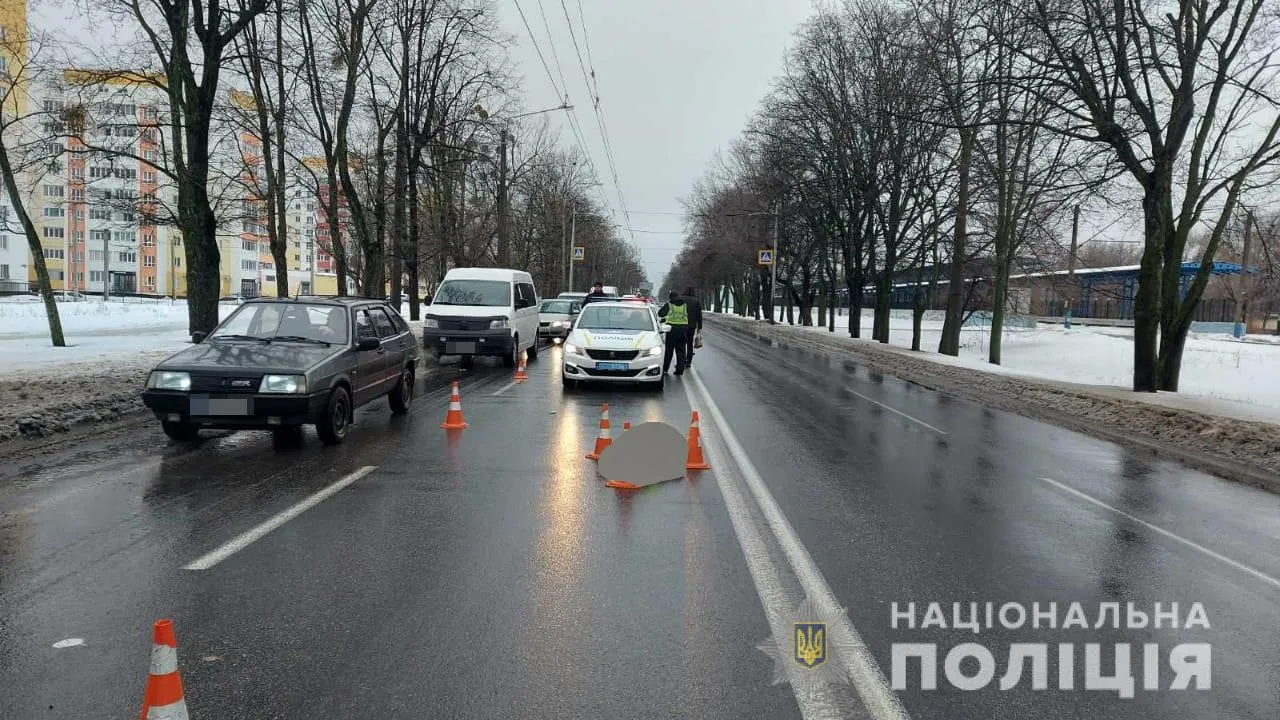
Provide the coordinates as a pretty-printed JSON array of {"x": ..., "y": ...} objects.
[{"x": 1013, "y": 398}]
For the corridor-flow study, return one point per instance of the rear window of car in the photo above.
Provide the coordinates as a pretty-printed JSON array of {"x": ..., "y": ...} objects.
[
  {"x": 563, "y": 307},
  {"x": 484, "y": 293}
]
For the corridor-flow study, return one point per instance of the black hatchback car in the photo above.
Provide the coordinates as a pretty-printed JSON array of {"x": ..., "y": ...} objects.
[{"x": 280, "y": 363}]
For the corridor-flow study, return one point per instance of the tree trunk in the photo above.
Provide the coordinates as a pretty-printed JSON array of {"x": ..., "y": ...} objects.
[
  {"x": 950, "y": 342},
  {"x": 37, "y": 250},
  {"x": 998, "y": 302},
  {"x": 1146, "y": 302},
  {"x": 399, "y": 209}
]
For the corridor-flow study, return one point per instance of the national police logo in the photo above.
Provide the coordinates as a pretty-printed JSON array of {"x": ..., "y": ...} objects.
[
  {"x": 808, "y": 653},
  {"x": 810, "y": 643}
]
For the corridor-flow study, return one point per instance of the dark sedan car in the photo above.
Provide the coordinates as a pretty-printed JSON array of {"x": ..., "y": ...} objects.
[{"x": 278, "y": 364}]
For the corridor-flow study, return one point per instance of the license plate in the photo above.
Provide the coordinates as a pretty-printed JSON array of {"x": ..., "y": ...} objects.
[
  {"x": 613, "y": 366},
  {"x": 220, "y": 407},
  {"x": 460, "y": 348}
]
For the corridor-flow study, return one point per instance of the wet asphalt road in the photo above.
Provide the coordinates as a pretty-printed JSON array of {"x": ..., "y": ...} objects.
[{"x": 489, "y": 574}]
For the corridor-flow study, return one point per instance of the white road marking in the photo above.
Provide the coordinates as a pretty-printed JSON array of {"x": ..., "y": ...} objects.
[
  {"x": 243, "y": 540},
  {"x": 868, "y": 680},
  {"x": 1172, "y": 536},
  {"x": 69, "y": 642},
  {"x": 505, "y": 388},
  {"x": 899, "y": 412}
]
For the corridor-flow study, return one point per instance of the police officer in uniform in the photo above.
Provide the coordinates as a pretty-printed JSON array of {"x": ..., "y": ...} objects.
[{"x": 676, "y": 314}]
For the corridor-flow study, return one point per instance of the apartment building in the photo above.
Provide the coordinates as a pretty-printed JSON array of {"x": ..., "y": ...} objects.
[{"x": 13, "y": 245}]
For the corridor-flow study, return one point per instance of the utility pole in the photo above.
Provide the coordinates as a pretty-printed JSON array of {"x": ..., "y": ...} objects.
[
  {"x": 1071, "y": 264},
  {"x": 773, "y": 267},
  {"x": 106, "y": 264},
  {"x": 573, "y": 231},
  {"x": 565, "y": 253},
  {"x": 504, "y": 241},
  {"x": 1242, "y": 316}
]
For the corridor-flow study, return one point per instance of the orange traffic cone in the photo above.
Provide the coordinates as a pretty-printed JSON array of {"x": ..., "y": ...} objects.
[
  {"x": 163, "y": 699},
  {"x": 520, "y": 376},
  {"x": 626, "y": 425},
  {"x": 621, "y": 485},
  {"x": 603, "y": 439},
  {"x": 453, "y": 420},
  {"x": 695, "y": 460}
]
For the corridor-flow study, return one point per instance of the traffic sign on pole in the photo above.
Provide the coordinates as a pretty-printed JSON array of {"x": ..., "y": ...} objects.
[
  {"x": 765, "y": 258},
  {"x": 579, "y": 253}
]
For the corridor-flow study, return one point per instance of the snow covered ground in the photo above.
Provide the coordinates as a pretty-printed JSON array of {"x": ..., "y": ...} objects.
[
  {"x": 1220, "y": 374},
  {"x": 98, "y": 333}
]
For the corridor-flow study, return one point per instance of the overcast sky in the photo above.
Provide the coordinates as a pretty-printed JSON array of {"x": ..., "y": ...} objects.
[{"x": 678, "y": 80}]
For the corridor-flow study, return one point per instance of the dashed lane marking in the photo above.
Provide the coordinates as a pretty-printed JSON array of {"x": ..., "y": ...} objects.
[{"x": 246, "y": 539}]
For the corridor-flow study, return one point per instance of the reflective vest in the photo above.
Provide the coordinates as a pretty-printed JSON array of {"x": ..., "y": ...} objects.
[{"x": 677, "y": 314}]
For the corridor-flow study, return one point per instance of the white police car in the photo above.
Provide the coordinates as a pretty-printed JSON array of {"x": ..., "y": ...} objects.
[{"x": 614, "y": 342}]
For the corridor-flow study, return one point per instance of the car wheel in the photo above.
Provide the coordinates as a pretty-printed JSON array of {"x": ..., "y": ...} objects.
[
  {"x": 332, "y": 427},
  {"x": 533, "y": 350},
  {"x": 510, "y": 359},
  {"x": 402, "y": 394},
  {"x": 180, "y": 431}
]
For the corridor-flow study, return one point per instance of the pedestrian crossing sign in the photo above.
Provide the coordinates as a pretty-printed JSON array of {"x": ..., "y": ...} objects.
[
  {"x": 579, "y": 253},
  {"x": 765, "y": 257}
]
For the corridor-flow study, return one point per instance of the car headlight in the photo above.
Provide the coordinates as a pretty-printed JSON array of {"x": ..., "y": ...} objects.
[
  {"x": 560, "y": 323},
  {"x": 572, "y": 349},
  {"x": 496, "y": 324},
  {"x": 286, "y": 384},
  {"x": 654, "y": 351},
  {"x": 430, "y": 323},
  {"x": 166, "y": 380}
]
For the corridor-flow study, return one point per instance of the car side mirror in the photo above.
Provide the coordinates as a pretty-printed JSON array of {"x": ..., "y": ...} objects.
[
  {"x": 368, "y": 343},
  {"x": 197, "y": 337},
  {"x": 664, "y": 328}
]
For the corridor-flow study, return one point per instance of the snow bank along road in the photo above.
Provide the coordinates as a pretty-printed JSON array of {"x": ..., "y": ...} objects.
[
  {"x": 1242, "y": 450},
  {"x": 489, "y": 573}
]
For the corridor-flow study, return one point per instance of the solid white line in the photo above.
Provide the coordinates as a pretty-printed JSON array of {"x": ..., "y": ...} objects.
[
  {"x": 899, "y": 412},
  {"x": 244, "y": 540},
  {"x": 764, "y": 573},
  {"x": 1172, "y": 536},
  {"x": 505, "y": 388},
  {"x": 868, "y": 680}
]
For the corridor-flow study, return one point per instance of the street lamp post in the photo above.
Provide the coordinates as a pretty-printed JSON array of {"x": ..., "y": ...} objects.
[{"x": 504, "y": 238}]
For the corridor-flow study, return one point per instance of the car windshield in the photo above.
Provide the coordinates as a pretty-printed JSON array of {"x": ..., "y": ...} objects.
[
  {"x": 595, "y": 317},
  {"x": 560, "y": 307},
  {"x": 486, "y": 293},
  {"x": 283, "y": 320}
]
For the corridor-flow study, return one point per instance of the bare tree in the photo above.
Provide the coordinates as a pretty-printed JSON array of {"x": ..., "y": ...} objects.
[
  {"x": 24, "y": 153},
  {"x": 1183, "y": 96}
]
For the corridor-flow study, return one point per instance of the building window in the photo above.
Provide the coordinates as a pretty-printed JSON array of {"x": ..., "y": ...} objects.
[
  {"x": 4, "y": 272},
  {"x": 54, "y": 212},
  {"x": 78, "y": 258},
  {"x": 79, "y": 278},
  {"x": 149, "y": 261},
  {"x": 148, "y": 177},
  {"x": 77, "y": 236},
  {"x": 54, "y": 233},
  {"x": 148, "y": 241},
  {"x": 126, "y": 237},
  {"x": 149, "y": 281},
  {"x": 98, "y": 236},
  {"x": 98, "y": 172},
  {"x": 150, "y": 155},
  {"x": 4, "y": 242},
  {"x": 77, "y": 195},
  {"x": 51, "y": 191},
  {"x": 55, "y": 274},
  {"x": 54, "y": 254},
  {"x": 99, "y": 214},
  {"x": 95, "y": 276},
  {"x": 127, "y": 256}
]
